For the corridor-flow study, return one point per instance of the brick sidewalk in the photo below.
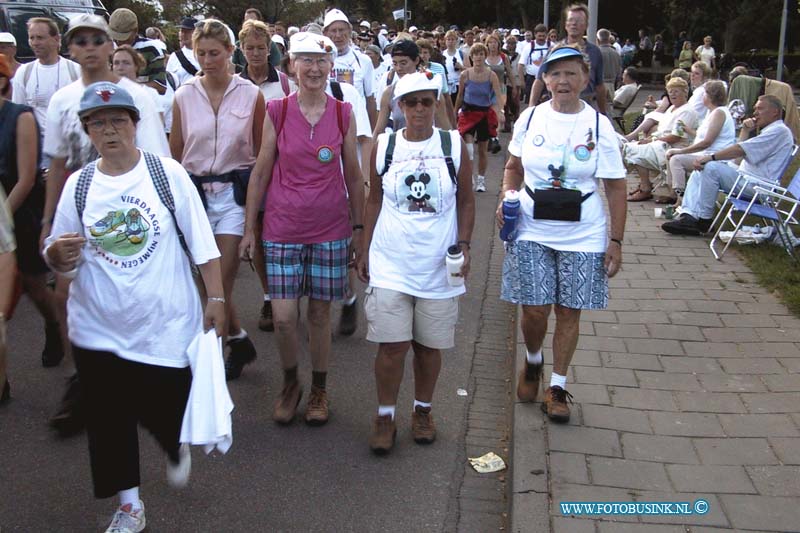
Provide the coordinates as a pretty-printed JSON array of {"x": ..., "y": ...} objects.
[{"x": 687, "y": 387}]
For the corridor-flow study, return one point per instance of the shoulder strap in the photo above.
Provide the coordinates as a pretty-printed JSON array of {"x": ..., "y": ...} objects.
[
  {"x": 282, "y": 119},
  {"x": 447, "y": 150},
  {"x": 27, "y": 75},
  {"x": 340, "y": 118},
  {"x": 161, "y": 183},
  {"x": 390, "y": 77},
  {"x": 284, "y": 82},
  {"x": 82, "y": 188},
  {"x": 336, "y": 89},
  {"x": 596, "y": 128},
  {"x": 530, "y": 117},
  {"x": 387, "y": 158},
  {"x": 72, "y": 68},
  {"x": 185, "y": 63}
]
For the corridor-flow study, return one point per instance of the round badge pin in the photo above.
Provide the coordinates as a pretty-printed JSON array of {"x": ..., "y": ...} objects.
[
  {"x": 538, "y": 140},
  {"x": 325, "y": 154},
  {"x": 582, "y": 152}
]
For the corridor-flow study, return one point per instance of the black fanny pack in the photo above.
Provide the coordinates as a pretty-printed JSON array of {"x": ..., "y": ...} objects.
[
  {"x": 239, "y": 178},
  {"x": 557, "y": 204}
]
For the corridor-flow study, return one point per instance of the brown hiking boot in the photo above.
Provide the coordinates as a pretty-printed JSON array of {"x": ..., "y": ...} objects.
[
  {"x": 555, "y": 404},
  {"x": 528, "y": 389},
  {"x": 422, "y": 428},
  {"x": 317, "y": 407},
  {"x": 383, "y": 434},
  {"x": 286, "y": 405}
]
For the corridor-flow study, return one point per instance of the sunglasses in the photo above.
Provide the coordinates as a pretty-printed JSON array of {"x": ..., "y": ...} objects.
[
  {"x": 413, "y": 102},
  {"x": 83, "y": 40}
]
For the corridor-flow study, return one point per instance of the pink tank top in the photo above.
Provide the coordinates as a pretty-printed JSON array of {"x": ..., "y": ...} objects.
[{"x": 306, "y": 200}]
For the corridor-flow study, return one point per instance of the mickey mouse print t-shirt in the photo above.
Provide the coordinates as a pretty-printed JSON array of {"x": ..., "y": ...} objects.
[
  {"x": 417, "y": 222},
  {"x": 566, "y": 150}
]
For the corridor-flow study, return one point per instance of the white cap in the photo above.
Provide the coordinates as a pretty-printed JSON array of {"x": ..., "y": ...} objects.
[
  {"x": 383, "y": 31},
  {"x": 334, "y": 15},
  {"x": 278, "y": 39},
  {"x": 365, "y": 24},
  {"x": 291, "y": 30},
  {"x": 7, "y": 38},
  {"x": 515, "y": 32},
  {"x": 310, "y": 43},
  {"x": 412, "y": 29},
  {"x": 418, "y": 81}
]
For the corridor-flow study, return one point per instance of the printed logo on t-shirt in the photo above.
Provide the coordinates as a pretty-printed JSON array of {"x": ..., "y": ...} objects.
[
  {"x": 420, "y": 189},
  {"x": 344, "y": 75},
  {"x": 126, "y": 237}
]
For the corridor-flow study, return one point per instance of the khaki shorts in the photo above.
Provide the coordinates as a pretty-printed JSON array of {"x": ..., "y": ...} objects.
[{"x": 393, "y": 316}]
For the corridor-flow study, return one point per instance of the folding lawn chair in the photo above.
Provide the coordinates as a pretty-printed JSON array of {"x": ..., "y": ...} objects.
[{"x": 777, "y": 206}]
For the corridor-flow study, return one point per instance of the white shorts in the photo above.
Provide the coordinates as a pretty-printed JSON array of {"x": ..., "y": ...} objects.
[
  {"x": 393, "y": 316},
  {"x": 224, "y": 214}
]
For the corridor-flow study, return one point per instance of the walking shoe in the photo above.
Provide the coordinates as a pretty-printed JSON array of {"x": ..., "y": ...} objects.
[
  {"x": 126, "y": 520},
  {"x": 178, "y": 474},
  {"x": 383, "y": 434},
  {"x": 349, "y": 319},
  {"x": 69, "y": 419},
  {"x": 242, "y": 353},
  {"x": 686, "y": 224},
  {"x": 6, "y": 394},
  {"x": 480, "y": 184},
  {"x": 317, "y": 407},
  {"x": 422, "y": 428},
  {"x": 53, "y": 351},
  {"x": 528, "y": 389},
  {"x": 265, "y": 321},
  {"x": 494, "y": 145},
  {"x": 286, "y": 405},
  {"x": 555, "y": 404}
]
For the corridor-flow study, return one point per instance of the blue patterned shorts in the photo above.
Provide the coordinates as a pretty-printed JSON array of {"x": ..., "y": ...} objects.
[
  {"x": 318, "y": 271},
  {"x": 537, "y": 275}
]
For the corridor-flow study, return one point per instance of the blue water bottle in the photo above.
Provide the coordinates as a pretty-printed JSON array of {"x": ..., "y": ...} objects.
[{"x": 510, "y": 214}]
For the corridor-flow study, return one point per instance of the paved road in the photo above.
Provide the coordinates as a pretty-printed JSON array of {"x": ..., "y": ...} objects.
[{"x": 295, "y": 478}]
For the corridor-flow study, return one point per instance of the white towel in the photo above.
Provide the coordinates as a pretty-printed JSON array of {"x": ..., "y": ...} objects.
[{"x": 207, "y": 420}]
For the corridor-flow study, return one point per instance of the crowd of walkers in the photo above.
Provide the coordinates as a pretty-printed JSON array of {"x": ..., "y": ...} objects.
[{"x": 319, "y": 154}]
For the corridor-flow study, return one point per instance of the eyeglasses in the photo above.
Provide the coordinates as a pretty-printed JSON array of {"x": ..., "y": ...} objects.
[
  {"x": 97, "y": 40},
  {"x": 320, "y": 62},
  {"x": 101, "y": 125},
  {"x": 413, "y": 102}
]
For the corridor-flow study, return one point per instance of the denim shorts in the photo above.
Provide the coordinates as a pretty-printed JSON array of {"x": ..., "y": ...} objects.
[
  {"x": 318, "y": 270},
  {"x": 537, "y": 275}
]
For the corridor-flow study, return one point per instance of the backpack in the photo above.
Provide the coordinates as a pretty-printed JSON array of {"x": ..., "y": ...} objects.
[
  {"x": 160, "y": 181},
  {"x": 336, "y": 89},
  {"x": 447, "y": 150}
]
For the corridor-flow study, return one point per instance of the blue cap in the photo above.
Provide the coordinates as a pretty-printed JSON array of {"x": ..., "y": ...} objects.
[
  {"x": 106, "y": 95},
  {"x": 566, "y": 52}
]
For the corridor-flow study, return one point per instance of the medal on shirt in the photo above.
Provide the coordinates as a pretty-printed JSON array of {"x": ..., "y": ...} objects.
[
  {"x": 538, "y": 140},
  {"x": 325, "y": 154},
  {"x": 583, "y": 152}
]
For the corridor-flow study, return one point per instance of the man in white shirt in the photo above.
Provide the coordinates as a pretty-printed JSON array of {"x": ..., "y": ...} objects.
[
  {"x": 182, "y": 64},
  {"x": 37, "y": 81},
  {"x": 351, "y": 65},
  {"x": 763, "y": 157},
  {"x": 531, "y": 56}
]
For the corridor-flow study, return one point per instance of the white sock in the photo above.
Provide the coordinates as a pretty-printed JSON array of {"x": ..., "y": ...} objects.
[
  {"x": 558, "y": 381},
  {"x": 421, "y": 404},
  {"x": 470, "y": 151},
  {"x": 351, "y": 300},
  {"x": 130, "y": 496},
  {"x": 266, "y": 297},
  {"x": 384, "y": 410},
  {"x": 241, "y": 335},
  {"x": 534, "y": 358}
]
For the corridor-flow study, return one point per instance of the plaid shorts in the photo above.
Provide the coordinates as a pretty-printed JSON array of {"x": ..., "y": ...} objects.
[
  {"x": 318, "y": 271},
  {"x": 537, "y": 275}
]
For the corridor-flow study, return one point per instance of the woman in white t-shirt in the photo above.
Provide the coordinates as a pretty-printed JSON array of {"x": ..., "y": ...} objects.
[
  {"x": 717, "y": 131},
  {"x": 561, "y": 255},
  {"x": 133, "y": 307},
  {"x": 453, "y": 62},
  {"x": 699, "y": 74},
  {"x": 420, "y": 204},
  {"x": 706, "y": 53}
]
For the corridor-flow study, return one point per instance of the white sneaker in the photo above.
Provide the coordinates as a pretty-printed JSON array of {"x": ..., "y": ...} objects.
[
  {"x": 480, "y": 184},
  {"x": 127, "y": 520},
  {"x": 178, "y": 474}
]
